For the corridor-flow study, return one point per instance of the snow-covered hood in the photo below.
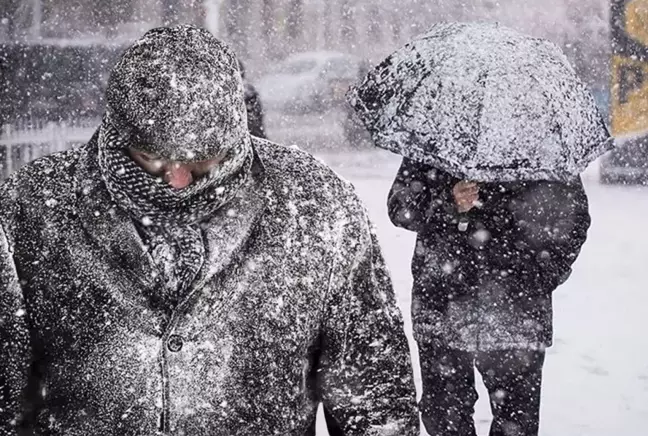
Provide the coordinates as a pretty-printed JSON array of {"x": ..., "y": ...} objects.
[{"x": 179, "y": 94}]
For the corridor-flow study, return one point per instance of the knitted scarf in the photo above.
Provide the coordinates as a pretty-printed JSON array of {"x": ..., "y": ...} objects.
[{"x": 169, "y": 219}]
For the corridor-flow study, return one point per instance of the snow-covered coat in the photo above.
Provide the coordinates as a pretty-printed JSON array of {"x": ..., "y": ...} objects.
[
  {"x": 292, "y": 307},
  {"x": 483, "y": 280}
]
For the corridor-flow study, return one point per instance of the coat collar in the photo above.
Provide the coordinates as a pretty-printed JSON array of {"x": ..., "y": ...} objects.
[
  {"x": 115, "y": 234},
  {"x": 227, "y": 232}
]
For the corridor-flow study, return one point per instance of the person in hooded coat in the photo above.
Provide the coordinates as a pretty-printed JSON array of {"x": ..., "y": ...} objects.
[
  {"x": 176, "y": 276},
  {"x": 487, "y": 260},
  {"x": 255, "y": 112}
]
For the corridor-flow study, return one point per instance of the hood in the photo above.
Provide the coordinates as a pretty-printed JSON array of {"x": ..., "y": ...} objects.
[{"x": 178, "y": 93}]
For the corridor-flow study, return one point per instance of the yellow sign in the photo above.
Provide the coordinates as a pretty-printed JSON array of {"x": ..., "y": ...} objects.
[
  {"x": 630, "y": 68},
  {"x": 636, "y": 20},
  {"x": 629, "y": 96}
]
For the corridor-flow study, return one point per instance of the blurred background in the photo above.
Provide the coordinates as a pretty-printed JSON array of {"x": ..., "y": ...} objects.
[{"x": 300, "y": 56}]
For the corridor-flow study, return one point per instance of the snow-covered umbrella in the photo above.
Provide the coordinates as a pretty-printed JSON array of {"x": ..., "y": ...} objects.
[{"x": 483, "y": 103}]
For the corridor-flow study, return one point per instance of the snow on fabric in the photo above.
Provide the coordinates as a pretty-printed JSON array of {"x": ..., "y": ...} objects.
[
  {"x": 292, "y": 306},
  {"x": 488, "y": 286},
  {"x": 286, "y": 304},
  {"x": 179, "y": 91},
  {"x": 183, "y": 97},
  {"x": 483, "y": 103}
]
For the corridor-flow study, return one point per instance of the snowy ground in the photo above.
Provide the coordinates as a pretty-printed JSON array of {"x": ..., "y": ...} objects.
[{"x": 596, "y": 375}]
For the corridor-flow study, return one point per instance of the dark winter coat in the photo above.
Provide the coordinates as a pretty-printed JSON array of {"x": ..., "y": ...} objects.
[
  {"x": 255, "y": 112},
  {"x": 483, "y": 280},
  {"x": 293, "y": 306}
]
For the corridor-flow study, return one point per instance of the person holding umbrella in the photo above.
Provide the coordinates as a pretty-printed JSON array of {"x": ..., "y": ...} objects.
[{"x": 494, "y": 128}]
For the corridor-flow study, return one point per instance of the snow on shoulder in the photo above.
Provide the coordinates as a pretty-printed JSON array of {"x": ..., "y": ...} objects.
[{"x": 293, "y": 169}]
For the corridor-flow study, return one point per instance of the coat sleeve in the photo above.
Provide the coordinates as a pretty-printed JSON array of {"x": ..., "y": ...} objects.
[
  {"x": 552, "y": 220},
  {"x": 364, "y": 374},
  {"x": 421, "y": 197},
  {"x": 15, "y": 349}
]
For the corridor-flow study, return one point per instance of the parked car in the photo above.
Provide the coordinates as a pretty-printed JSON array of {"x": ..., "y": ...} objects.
[{"x": 310, "y": 82}]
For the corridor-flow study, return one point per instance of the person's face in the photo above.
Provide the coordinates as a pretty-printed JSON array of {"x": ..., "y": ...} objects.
[{"x": 177, "y": 174}]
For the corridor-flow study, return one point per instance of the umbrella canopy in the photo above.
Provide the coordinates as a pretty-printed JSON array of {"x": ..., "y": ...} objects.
[{"x": 483, "y": 103}]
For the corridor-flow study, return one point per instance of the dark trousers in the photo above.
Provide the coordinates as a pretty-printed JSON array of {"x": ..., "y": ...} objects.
[
  {"x": 331, "y": 425},
  {"x": 513, "y": 379}
]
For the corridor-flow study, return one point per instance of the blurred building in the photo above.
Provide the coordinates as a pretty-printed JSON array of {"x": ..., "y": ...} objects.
[
  {"x": 55, "y": 55},
  {"x": 263, "y": 31},
  {"x": 78, "y": 21}
]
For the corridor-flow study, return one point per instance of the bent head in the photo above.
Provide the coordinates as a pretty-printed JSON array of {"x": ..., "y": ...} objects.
[{"x": 177, "y": 98}]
